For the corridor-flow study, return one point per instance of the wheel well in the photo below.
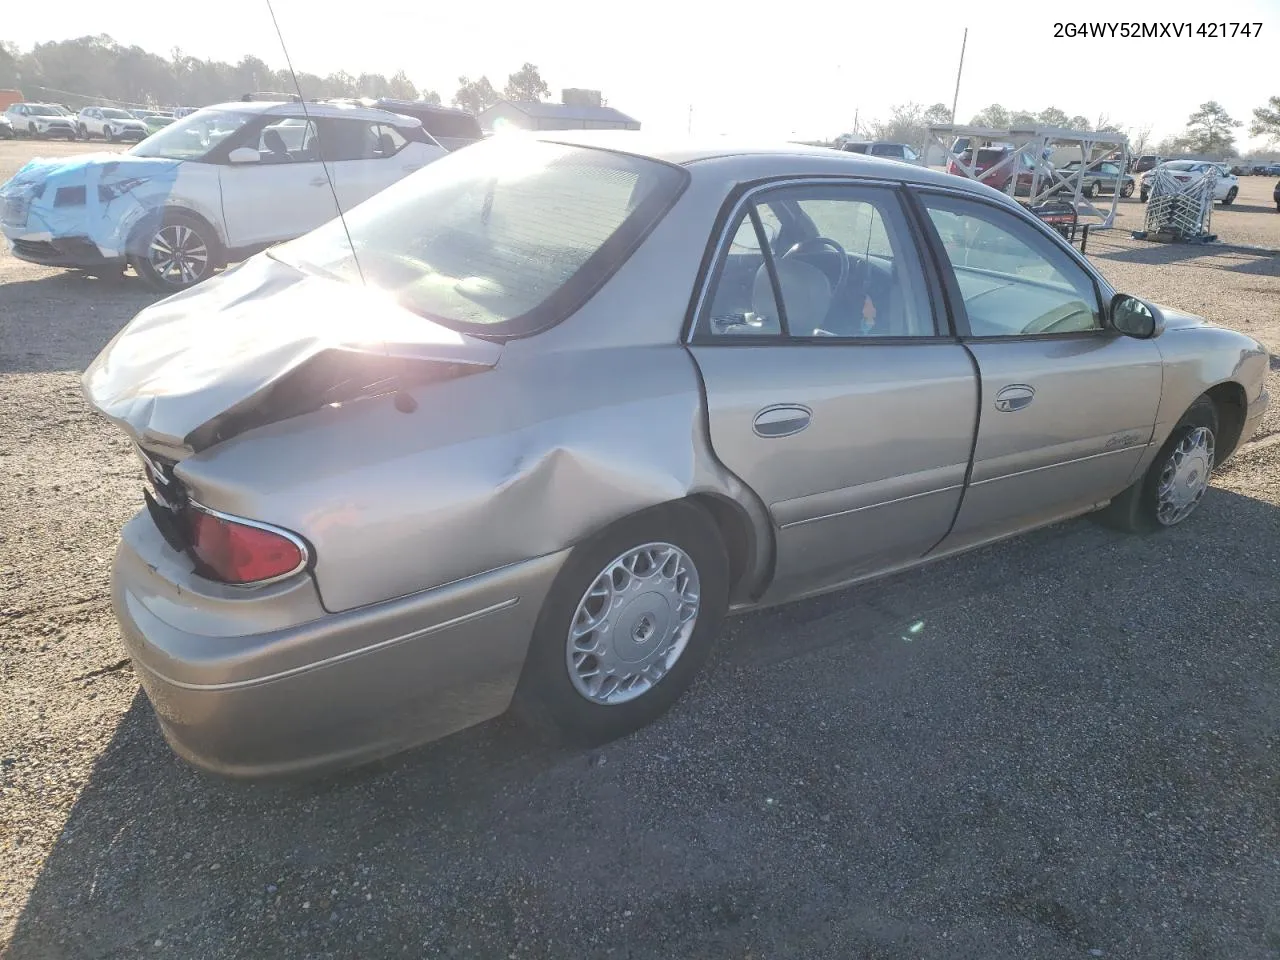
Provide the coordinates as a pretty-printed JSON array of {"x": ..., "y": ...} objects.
[
  {"x": 1231, "y": 404},
  {"x": 156, "y": 217},
  {"x": 736, "y": 532}
]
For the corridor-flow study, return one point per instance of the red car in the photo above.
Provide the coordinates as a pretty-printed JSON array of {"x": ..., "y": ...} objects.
[{"x": 991, "y": 157}]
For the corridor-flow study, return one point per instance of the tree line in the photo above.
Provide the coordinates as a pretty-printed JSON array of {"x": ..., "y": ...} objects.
[
  {"x": 1210, "y": 130},
  {"x": 98, "y": 70}
]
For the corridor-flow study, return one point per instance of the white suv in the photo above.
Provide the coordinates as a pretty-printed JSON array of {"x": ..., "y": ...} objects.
[
  {"x": 111, "y": 124},
  {"x": 209, "y": 189}
]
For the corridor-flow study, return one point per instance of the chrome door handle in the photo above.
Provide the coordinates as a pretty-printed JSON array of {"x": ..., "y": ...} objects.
[
  {"x": 781, "y": 420},
  {"x": 1015, "y": 397}
]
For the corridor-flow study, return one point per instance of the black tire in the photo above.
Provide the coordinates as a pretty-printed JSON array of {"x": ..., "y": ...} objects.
[
  {"x": 31, "y": 131},
  {"x": 83, "y": 132},
  {"x": 1230, "y": 198},
  {"x": 546, "y": 697},
  {"x": 1126, "y": 190},
  {"x": 167, "y": 282},
  {"x": 1143, "y": 196},
  {"x": 1090, "y": 190},
  {"x": 1135, "y": 510}
]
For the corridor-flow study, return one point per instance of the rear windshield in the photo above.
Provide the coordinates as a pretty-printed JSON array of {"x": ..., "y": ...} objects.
[
  {"x": 856, "y": 147},
  {"x": 503, "y": 239},
  {"x": 990, "y": 156}
]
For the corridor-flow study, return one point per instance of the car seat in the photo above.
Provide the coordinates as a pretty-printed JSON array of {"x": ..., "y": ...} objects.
[{"x": 277, "y": 151}]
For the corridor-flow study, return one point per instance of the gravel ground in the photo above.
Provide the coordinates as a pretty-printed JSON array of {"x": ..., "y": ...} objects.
[{"x": 1076, "y": 755}]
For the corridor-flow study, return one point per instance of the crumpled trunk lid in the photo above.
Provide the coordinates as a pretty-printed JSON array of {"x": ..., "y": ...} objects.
[{"x": 259, "y": 344}]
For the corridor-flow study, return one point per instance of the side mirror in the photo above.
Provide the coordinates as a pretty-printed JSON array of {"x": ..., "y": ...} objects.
[
  {"x": 244, "y": 155},
  {"x": 1134, "y": 318}
]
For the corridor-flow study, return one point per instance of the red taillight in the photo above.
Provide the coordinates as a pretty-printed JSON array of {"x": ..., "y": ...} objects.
[{"x": 241, "y": 552}]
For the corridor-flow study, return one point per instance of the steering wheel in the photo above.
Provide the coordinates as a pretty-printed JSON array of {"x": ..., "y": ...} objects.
[{"x": 805, "y": 245}]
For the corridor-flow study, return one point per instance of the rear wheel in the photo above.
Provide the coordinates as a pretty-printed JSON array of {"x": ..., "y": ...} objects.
[
  {"x": 627, "y": 625},
  {"x": 1090, "y": 190},
  {"x": 1143, "y": 196},
  {"x": 177, "y": 254},
  {"x": 1171, "y": 489},
  {"x": 1230, "y": 198},
  {"x": 1126, "y": 190}
]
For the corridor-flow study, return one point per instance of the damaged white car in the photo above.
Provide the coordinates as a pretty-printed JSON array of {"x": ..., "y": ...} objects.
[{"x": 209, "y": 189}]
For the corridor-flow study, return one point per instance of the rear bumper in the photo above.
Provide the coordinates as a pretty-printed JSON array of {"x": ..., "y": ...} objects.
[{"x": 239, "y": 694}]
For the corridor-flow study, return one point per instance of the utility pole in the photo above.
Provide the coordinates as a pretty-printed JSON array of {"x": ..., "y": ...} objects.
[
  {"x": 855, "y": 120},
  {"x": 959, "y": 69}
]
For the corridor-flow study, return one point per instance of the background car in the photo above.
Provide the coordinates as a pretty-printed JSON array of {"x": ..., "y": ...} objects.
[
  {"x": 990, "y": 165},
  {"x": 39, "y": 120},
  {"x": 153, "y": 119},
  {"x": 1225, "y": 189},
  {"x": 882, "y": 148},
  {"x": 208, "y": 189},
  {"x": 402, "y": 472},
  {"x": 111, "y": 124},
  {"x": 1146, "y": 162},
  {"x": 1102, "y": 177},
  {"x": 6, "y": 128}
]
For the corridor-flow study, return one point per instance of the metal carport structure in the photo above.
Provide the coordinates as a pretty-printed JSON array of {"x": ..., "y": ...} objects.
[{"x": 1031, "y": 147}]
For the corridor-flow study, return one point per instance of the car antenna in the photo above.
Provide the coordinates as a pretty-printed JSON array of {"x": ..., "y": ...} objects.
[{"x": 404, "y": 401}]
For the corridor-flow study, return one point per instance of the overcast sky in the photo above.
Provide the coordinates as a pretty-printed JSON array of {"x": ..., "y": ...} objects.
[{"x": 794, "y": 70}]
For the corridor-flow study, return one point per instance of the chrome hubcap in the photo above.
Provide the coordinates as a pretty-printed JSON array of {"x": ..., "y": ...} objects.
[
  {"x": 633, "y": 623},
  {"x": 1185, "y": 477},
  {"x": 178, "y": 254}
]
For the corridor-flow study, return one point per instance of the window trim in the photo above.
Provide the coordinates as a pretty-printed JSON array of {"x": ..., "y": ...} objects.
[
  {"x": 1101, "y": 289},
  {"x": 715, "y": 255}
]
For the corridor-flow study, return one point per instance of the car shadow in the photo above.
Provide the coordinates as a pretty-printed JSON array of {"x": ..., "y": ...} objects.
[
  {"x": 945, "y": 743},
  {"x": 100, "y": 307}
]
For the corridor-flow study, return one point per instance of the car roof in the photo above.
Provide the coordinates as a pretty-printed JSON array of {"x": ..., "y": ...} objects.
[
  {"x": 348, "y": 111},
  {"x": 758, "y": 160}
]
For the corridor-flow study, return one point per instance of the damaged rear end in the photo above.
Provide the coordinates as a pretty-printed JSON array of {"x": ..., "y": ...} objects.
[{"x": 263, "y": 344}]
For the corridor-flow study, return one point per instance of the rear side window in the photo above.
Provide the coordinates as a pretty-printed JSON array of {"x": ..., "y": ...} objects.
[
  {"x": 885, "y": 150},
  {"x": 504, "y": 238}
]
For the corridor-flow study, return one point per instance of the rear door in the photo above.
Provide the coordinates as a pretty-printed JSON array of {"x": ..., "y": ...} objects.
[
  {"x": 1068, "y": 407},
  {"x": 367, "y": 157},
  {"x": 833, "y": 391}
]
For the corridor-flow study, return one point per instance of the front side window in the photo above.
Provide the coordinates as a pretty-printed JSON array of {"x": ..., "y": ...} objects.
[
  {"x": 504, "y": 238},
  {"x": 822, "y": 261},
  {"x": 291, "y": 140},
  {"x": 1014, "y": 280}
]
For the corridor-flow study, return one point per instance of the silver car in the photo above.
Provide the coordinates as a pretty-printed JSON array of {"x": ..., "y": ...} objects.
[{"x": 539, "y": 416}]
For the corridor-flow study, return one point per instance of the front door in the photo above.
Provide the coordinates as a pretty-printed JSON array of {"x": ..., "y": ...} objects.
[
  {"x": 1068, "y": 407},
  {"x": 285, "y": 194},
  {"x": 830, "y": 390}
]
